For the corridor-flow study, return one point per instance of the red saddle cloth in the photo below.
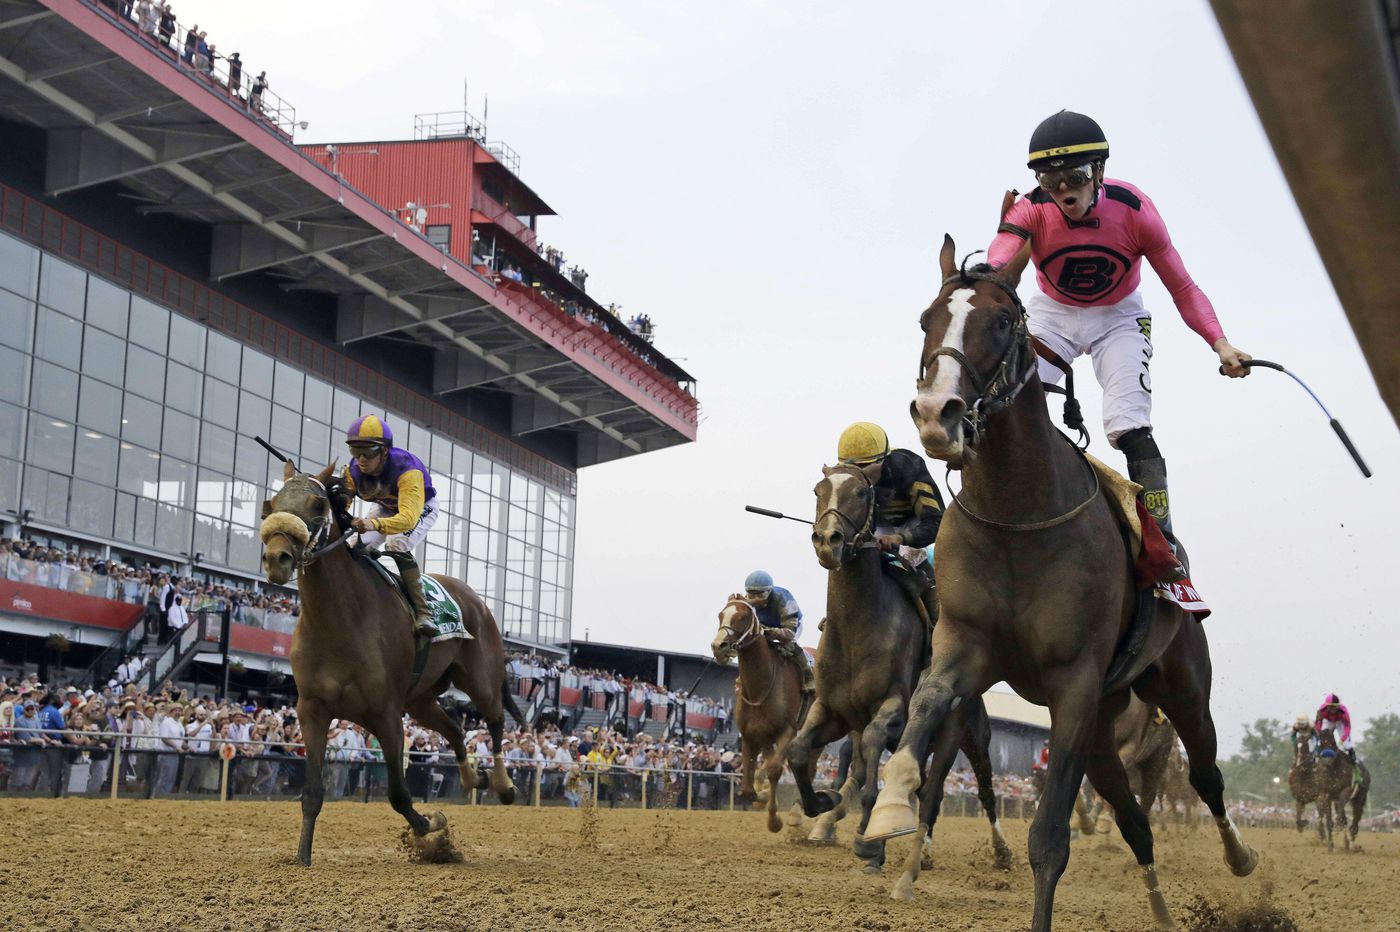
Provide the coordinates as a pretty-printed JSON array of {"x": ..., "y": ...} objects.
[{"x": 1157, "y": 558}]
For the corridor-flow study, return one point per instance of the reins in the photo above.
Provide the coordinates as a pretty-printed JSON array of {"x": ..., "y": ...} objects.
[
  {"x": 316, "y": 545},
  {"x": 1035, "y": 525},
  {"x": 864, "y": 537}
]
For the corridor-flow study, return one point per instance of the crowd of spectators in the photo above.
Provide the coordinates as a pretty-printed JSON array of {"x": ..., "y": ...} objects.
[
  {"x": 158, "y": 589},
  {"x": 155, "y": 21}
]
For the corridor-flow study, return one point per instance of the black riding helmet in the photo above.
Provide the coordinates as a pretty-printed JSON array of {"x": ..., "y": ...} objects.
[{"x": 1066, "y": 139}]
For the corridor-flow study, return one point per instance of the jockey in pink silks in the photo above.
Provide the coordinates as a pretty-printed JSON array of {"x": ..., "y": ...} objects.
[
  {"x": 1088, "y": 236},
  {"x": 1333, "y": 716}
]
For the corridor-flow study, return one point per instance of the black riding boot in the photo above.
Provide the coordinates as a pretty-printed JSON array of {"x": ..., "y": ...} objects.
[
  {"x": 1151, "y": 474},
  {"x": 413, "y": 583}
]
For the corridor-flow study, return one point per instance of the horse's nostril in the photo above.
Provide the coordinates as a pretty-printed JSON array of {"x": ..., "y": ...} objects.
[{"x": 953, "y": 410}]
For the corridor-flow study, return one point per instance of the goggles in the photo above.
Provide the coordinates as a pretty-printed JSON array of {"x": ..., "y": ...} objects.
[
  {"x": 1075, "y": 177},
  {"x": 366, "y": 450}
]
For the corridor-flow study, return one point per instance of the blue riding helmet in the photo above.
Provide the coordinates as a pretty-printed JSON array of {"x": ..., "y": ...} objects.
[{"x": 758, "y": 582}]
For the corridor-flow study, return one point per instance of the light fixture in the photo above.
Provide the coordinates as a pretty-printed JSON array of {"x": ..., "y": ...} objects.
[{"x": 92, "y": 435}]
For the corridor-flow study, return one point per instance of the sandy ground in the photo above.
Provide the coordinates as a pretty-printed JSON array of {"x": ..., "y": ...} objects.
[{"x": 88, "y": 864}]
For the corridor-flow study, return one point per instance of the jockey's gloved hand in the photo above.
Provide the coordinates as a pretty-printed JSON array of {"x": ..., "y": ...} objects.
[
  {"x": 1231, "y": 358},
  {"x": 889, "y": 543}
]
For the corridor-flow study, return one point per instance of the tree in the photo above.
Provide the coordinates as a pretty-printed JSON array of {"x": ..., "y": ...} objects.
[
  {"x": 1381, "y": 751},
  {"x": 1266, "y": 753}
]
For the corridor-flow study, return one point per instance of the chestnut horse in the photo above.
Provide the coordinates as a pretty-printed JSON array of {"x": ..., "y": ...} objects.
[
  {"x": 353, "y": 651},
  {"x": 768, "y": 698},
  {"x": 1036, "y": 588}
]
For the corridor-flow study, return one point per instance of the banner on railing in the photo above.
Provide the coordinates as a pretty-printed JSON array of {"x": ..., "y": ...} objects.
[{"x": 23, "y": 599}]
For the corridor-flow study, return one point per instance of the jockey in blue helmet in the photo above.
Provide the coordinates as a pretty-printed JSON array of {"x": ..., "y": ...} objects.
[
  {"x": 405, "y": 504},
  {"x": 777, "y": 611}
]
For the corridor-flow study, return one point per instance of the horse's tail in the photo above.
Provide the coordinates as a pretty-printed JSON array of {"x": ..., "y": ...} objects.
[{"x": 509, "y": 702}]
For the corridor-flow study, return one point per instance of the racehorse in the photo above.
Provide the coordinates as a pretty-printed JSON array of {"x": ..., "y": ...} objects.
[
  {"x": 1036, "y": 588},
  {"x": 1339, "y": 781},
  {"x": 870, "y": 658},
  {"x": 1303, "y": 780},
  {"x": 768, "y": 709},
  {"x": 353, "y": 652},
  {"x": 1176, "y": 788}
]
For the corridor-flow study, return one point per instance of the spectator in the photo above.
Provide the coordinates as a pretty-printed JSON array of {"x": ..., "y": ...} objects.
[
  {"x": 170, "y": 734},
  {"x": 51, "y": 762},
  {"x": 191, "y": 43},
  {"x": 177, "y": 618},
  {"x": 148, "y": 18},
  {"x": 167, "y": 25},
  {"x": 255, "y": 96},
  {"x": 30, "y": 735},
  {"x": 235, "y": 74}
]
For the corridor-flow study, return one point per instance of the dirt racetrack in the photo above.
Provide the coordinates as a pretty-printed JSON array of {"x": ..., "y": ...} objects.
[{"x": 87, "y": 864}]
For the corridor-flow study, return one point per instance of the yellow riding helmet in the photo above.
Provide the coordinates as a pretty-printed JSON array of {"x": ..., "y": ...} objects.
[{"x": 862, "y": 443}]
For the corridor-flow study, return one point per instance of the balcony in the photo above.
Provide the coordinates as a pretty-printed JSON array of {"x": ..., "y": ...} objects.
[{"x": 498, "y": 214}]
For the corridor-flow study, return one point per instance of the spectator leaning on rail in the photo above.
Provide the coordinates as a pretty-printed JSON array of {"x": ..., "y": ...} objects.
[
  {"x": 781, "y": 618},
  {"x": 405, "y": 502},
  {"x": 908, "y": 505}
]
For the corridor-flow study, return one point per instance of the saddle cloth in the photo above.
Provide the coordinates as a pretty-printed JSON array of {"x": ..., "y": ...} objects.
[
  {"x": 447, "y": 614},
  {"x": 1151, "y": 552}
]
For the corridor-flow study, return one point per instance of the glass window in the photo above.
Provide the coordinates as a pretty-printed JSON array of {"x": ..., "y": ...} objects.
[
  {"x": 58, "y": 338},
  {"x": 346, "y": 409},
  {"x": 286, "y": 431},
  {"x": 213, "y": 494},
  {"x": 55, "y": 391},
  {"x": 220, "y": 402},
  {"x": 222, "y": 357},
  {"x": 107, "y": 306},
  {"x": 316, "y": 444},
  {"x": 62, "y": 286},
  {"x": 104, "y": 356},
  {"x": 176, "y": 483},
  {"x": 476, "y": 575},
  {"x": 100, "y": 407},
  {"x": 257, "y": 372},
  {"x": 182, "y": 386},
  {"x": 96, "y": 457},
  {"x": 9, "y": 484},
  {"x": 124, "y": 526},
  {"x": 244, "y": 549},
  {"x": 186, "y": 341},
  {"x": 250, "y": 460},
  {"x": 46, "y": 494},
  {"x": 145, "y": 532},
  {"x": 287, "y": 385},
  {"x": 517, "y": 520},
  {"x": 173, "y": 527},
  {"x": 216, "y": 447},
  {"x": 486, "y": 478},
  {"x": 14, "y": 375},
  {"x": 211, "y": 540},
  {"x": 16, "y": 320},
  {"x": 11, "y": 429},
  {"x": 141, "y": 421},
  {"x": 138, "y": 471},
  {"x": 440, "y": 235},
  {"x": 50, "y": 444},
  {"x": 91, "y": 507},
  {"x": 318, "y": 400},
  {"x": 19, "y": 266},
  {"x": 254, "y": 414},
  {"x": 181, "y": 435},
  {"x": 145, "y": 372},
  {"x": 245, "y": 504},
  {"x": 150, "y": 324}
]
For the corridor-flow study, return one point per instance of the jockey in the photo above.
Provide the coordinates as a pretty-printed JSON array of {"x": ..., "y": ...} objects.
[
  {"x": 777, "y": 611},
  {"x": 1303, "y": 731},
  {"x": 1087, "y": 236},
  {"x": 1042, "y": 758},
  {"x": 405, "y": 504},
  {"x": 1333, "y": 716},
  {"x": 908, "y": 506}
]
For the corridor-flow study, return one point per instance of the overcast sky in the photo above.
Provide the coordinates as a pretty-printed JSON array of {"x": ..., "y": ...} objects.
[{"x": 769, "y": 182}]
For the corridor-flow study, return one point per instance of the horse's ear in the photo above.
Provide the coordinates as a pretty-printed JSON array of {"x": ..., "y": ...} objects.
[
  {"x": 267, "y": 508},
  {"x": 947, "y": 259},
  {"x": 324, "y": 475},
  {"x": 1011, "y": 272},
  {"x": 288, "y": 470},
  {"x": 1008, "y": 200},
  {"x": 826, "y": 471}
]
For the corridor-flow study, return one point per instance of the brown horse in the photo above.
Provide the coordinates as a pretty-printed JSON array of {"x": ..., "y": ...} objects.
[
  {"x": 353, "y": 651},
  {"x": 1176, "y": 788},
  {"x": 1339, "y": 782},
  {"x": 1036, "y": 588},
  {"x": 1144, "y": 739},
  {"x": 871, "y": 656},
  {"x": 1303, "y": 778},
  {"x": 768, "y": 698}
]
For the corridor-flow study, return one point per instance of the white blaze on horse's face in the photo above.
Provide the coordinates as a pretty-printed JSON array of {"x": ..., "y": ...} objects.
[
  {"x": 829, "y": 533},
  {"x": 723, "y": 644},
  {"x": 940, "y": 438}
]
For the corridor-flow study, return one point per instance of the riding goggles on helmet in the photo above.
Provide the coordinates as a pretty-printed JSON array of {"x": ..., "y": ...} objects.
[{"x": 1075, "y": 177}]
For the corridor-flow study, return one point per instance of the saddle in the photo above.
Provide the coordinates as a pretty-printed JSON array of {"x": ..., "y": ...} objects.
[
  {"x": 914, "y": 585},
  {"x": 447, "y": 614}
]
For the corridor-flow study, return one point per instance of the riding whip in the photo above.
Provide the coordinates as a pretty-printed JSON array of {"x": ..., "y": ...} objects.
[
  {"x": 276, "y": 452},
  {"x": 1336, "y": 424},
  {"x": 773, "y": 514}
]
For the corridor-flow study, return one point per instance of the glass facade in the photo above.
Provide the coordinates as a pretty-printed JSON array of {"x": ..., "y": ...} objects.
[{"x": 131, "y": 424}]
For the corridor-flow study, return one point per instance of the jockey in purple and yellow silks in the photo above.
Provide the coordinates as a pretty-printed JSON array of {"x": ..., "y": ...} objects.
[
  {"x": 1088, "y": 236},
  {"x": 405, "y": 503}
]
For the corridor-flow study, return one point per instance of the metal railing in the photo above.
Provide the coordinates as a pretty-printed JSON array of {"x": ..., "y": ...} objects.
[
  {"x": 501, "y": 216},
  {"x": 170, "y": 42}
]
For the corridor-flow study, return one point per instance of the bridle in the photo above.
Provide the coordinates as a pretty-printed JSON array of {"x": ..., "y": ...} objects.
[
  {"x": 754, "y": 631},
  {"x": 1013, "y": 370},
  {"x": 864, "y": 536},
  {"x": 316, "y": 544}
]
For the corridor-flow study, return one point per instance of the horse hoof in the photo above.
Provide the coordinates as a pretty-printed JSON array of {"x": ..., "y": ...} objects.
[
  {"x": 822, "y": 833},
  {"x": 1003, "y": 859},
  {"x": 891, "y": 820},
  {"x": 873, "y": 870},
  {"x": 436, "y": 822},
  {"x": 775, "y": 824},
  {"x": 903, "y": 889},
  {"x": 304, "y": 860},
  {"x": 926, "y": 863},
  {"x": 1245, "y": 867},
  {"x": 865, "y": 849},
  {"x": 507, "y": 796}
]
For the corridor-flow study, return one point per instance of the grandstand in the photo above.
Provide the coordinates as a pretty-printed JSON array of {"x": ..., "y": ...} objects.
[{"x": 177, "y": 276}]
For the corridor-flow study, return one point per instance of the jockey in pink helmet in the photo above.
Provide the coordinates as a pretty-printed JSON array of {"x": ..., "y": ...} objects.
[
  {"x": 405, "y": 504},
  {"x": 1088, "y": 236},
  {"x": 1333, "y": 716}
]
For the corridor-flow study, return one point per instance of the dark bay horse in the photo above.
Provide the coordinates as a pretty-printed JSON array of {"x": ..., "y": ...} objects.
[
  {"x": 1036, "y": 588},
  {"x": 872, "y": 654},
  {"x": 1302, "y": 777},
  {"x": 768, "y": 698},
  {"x": 353, "y": 651},
  {"x": 1340, "y": 782}
]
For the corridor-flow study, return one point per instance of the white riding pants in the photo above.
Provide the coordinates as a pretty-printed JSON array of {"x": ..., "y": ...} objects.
[
  {"x": 402, "y": 543},
  {"x": 1119, "y": 339},
  {"x": 1346, "y": 745}
]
